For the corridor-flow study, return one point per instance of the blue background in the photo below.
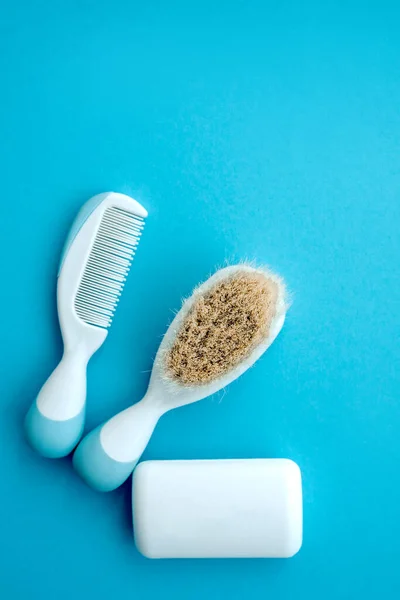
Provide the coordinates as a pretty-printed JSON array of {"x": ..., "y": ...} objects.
[{"x": 266, "y": 130}]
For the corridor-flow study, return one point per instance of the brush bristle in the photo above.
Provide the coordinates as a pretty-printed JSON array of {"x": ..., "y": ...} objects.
[
  {"x": 223, "y": 327},
  {"x": 107, "y": 267}
]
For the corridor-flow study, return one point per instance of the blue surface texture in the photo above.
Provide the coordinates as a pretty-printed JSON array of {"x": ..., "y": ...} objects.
[{"x": 263, "y": 130}]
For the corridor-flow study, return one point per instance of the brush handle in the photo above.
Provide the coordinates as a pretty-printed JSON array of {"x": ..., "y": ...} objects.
[
  {"x": 107, "y": 456},
  {"x": 54, "y": 423}
]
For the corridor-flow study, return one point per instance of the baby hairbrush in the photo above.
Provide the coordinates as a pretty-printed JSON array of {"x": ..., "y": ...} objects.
[{"x": 220, "y": 331}]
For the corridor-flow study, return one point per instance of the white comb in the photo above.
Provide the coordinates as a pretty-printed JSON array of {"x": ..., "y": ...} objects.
[
  {"x": 94, "y": 267},
  {"x": 108, "y": 266}
]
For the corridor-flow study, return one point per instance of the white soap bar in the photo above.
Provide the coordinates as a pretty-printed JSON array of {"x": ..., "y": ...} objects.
[{"x": 239, "y": 508}]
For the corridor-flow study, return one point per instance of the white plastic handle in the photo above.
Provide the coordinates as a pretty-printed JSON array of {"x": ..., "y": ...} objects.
[
  {"x": 55, "y": 421},
  {"x": 107, "y": 456}
]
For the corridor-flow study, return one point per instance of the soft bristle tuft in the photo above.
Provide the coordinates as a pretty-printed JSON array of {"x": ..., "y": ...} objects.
[
  {"x": 107, "y": 267},
  {"x": 223, "y": 326}
]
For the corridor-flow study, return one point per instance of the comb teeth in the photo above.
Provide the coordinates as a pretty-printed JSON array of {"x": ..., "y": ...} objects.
[{"x": 107, "y": 267}]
